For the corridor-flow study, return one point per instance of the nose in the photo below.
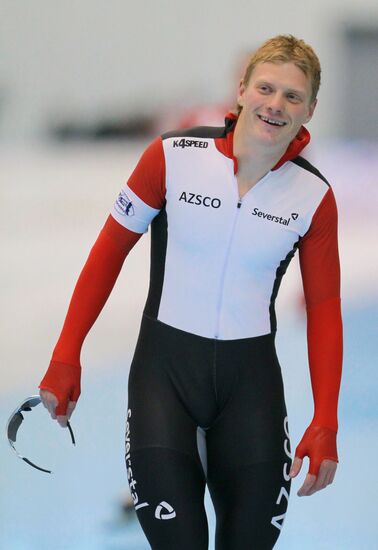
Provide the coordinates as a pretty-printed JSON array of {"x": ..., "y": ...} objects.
[{"x": 275, "y": 103}]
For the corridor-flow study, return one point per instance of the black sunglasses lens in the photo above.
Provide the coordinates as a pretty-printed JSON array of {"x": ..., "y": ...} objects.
[
  {"x": 13, "y": 426},
  {"x": 17, "y": 418}
]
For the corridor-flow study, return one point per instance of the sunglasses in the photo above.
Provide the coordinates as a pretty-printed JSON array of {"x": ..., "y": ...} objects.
[{"x": 15, "y": 422}]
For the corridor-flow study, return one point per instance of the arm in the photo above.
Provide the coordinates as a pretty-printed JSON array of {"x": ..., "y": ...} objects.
[
  {"x": 92, "y": 290},
  {"x": 320, "y": 268},
  {"x": 119, "y": 234}
]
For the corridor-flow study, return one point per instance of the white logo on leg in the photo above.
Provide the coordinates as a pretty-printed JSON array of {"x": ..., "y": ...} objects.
[
  {"x": 130, "y": 475},
  {"x": 283, "y": 493},
  {"x": 167, "y": 508}
]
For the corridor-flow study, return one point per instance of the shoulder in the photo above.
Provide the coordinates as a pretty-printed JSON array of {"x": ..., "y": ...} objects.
[
  {"x": 310, "y": 169},
  {"x": 197, "y": 138}
]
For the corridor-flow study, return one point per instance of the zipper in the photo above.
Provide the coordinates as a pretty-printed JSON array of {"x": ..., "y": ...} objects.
[
  {"x": 224, "y": 269},
  {"x": 238, "y": 206}
]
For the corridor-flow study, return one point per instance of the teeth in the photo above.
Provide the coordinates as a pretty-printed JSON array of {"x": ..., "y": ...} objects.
[{"x": 271, "y": 121}]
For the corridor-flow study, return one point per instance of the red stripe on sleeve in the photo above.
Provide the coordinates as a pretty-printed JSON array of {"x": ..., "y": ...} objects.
[{"x": 320, "y": 268}]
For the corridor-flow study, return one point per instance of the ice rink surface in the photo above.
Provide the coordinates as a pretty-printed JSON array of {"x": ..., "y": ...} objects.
[{"x": 54, "y": 201}]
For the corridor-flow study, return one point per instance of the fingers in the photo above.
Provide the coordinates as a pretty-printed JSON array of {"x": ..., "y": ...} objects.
[
  {"x": 332, "y": 476},
  {"x": 49, "y": 401},
  {"x": 295, "y": 467},
  {"x": 70, "y": 408},
  {"x": 325, "y": 477},
  {"x": 62, "y": 419},
  {"x": 307, "y": 485}
]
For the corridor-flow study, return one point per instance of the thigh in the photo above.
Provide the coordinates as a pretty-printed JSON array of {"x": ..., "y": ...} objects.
[
  {"x": 250, "y": 506},
  {"x": 164, "y": 470},
  {"x": 168, "y": 492},
  {"x": 249, "y": 460}
]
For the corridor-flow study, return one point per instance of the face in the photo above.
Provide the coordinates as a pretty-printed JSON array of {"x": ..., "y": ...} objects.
[{"x": 276, "y": 102}]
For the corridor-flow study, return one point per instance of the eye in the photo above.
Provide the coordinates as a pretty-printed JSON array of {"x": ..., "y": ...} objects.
[
  {"x": 294, "y": 98},
  {"x": 264, "y": 88}
]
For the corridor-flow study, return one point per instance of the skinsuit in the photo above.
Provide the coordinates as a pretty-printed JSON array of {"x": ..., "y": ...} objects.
[{"x": 206, "y": 399}]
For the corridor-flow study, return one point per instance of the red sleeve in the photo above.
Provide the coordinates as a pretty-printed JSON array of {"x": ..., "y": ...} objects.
[
  {"x": 320, "y": 268},
  {"x": 106, "y": 258},
  {"x": 100, "y": 273},
  {"x": 148, "y": 177},
  {"x": 93, "y": 288}
]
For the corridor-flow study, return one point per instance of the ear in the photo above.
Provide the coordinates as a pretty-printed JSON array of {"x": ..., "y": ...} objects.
[
  {"x": 242, "y": 87},
  {"x": 311, "y": 110}
]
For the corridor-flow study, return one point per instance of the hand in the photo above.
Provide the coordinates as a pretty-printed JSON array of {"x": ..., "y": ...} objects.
[
  {"x": 50, "y": 401},
  {"x": 60, "y": 390},
  {"x": 314, "y": 483}
]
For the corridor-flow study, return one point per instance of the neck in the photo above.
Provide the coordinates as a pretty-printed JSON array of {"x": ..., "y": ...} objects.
[{"x": 253, "y": 158}]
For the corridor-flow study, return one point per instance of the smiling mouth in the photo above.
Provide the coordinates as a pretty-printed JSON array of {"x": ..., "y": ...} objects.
[{"x": 271, "y": 121}]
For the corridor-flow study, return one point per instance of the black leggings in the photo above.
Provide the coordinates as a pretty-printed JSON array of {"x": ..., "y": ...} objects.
[{"x": 204, "y": 411}]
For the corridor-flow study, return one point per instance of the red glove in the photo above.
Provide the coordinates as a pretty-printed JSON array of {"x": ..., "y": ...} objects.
[
  {"x": 64, "y": 382},
  {"x": 318, "y": 443}
]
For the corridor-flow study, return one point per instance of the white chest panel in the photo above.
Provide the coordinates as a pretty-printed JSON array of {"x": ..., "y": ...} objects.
[{"x": 221, "y": 259}]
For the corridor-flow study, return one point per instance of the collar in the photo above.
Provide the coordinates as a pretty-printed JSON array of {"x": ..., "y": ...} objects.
[{"x": 225, "y": 144}]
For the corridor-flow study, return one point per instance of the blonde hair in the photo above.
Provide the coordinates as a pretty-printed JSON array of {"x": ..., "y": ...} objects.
[{"x": 285, "y": 48}]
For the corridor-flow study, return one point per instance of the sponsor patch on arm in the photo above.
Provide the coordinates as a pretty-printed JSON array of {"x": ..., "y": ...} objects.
[{"x": 132, "y": 212}]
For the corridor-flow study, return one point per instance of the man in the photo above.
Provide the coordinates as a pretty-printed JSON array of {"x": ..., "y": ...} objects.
[{"x": 229, "y": 207}]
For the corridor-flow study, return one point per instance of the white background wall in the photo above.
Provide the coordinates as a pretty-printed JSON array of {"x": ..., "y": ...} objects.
[{"x": 87, "y": 57}]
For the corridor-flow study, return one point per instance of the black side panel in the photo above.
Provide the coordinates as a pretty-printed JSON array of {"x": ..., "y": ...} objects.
[
  {"x": 159, "y": 235},
  {"x": 281, "y": 270},
  {"x": 303, "y": 163},
  {"x": 203, "y": 131}
]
